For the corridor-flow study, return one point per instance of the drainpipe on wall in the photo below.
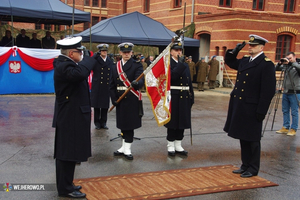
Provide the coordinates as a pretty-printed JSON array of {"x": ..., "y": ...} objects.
[{"x": 192, "y": 14}]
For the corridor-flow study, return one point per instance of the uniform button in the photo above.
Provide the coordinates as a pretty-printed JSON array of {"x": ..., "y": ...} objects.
[
  {"x": 180, "y": 90},
  {"x": 101, "y": 82},
  {"x": 234, "y": 96},
  {"x": 242, "y": 90},
  {"x": 67, "y": 97},
  {"x": 237, "y": 80},
  {"x": 240, "y": 97},
  {"x": 186, "y": 96},
  {"x": 101, "y": 77},
  {"x": 236, "y": 88},
  {"x": 180, "y": 77},
  {"x": 107, "y": 78},
  {"x": 108, "y": 74},
  {"x": 101, "y": 72},
  {"x": 108, "y": 68},
  {"x": 247, "y": 74},
  {"x": 180, "y": 97},
  {"x": 107, "y": 83},
  {"x": 102, "y": 68},
  {"x": 239, "y": 72},
  {"x": 180, "y": 83},
  {"x": 244, "y": 82}
]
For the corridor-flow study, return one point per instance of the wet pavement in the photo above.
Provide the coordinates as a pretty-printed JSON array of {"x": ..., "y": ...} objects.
[{"x": 27, "y": 142}]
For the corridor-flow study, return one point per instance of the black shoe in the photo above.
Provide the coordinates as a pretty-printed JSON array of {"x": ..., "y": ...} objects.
[
  {"x": 75, "y": 194},
  {"x": 171, "y": 153},
  {"x": 247, "y": 174},
  {"x": 128, "y": 157},
  {"x": 77, "y": 187},
  {"x": 117, "y": 153},
  {"x": 183, "y": 153},
  {"x": 238, "y": 171},
  {"x": 104, "y": 126},
  {"x": 97, "y": 127}
]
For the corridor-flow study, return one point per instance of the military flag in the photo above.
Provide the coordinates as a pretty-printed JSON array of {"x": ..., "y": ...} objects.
[{"x": 157, "y": 80}]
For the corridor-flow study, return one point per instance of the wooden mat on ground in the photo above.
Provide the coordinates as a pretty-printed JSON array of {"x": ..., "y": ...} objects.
[{"x": 169, "y": 184}]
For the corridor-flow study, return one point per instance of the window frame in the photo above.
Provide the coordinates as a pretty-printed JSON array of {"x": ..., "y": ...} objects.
[
  {"x": 124, "y": 6},
  {"x": 177, "y": 3},
  {"x": 287, "y": 5},
  {"x": 103, "y": 3},
  {"x": 283, "y": 47},
  {"x": 257, "y": 5},
  {"x": 86, "y": 3},
  {"x": 94, "y": 3},
  {"x": 94, "y": 20},
  {"x": 224, "y": 3},
  {"x": 146, "y": 6}
]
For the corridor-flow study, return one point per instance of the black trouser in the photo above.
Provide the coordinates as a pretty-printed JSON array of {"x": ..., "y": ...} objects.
[
  {"x": 100, "y": 116},
  {"x": 64, "y": 176},
  {"x": 174, "y": 134},
  {"x": 127, "y": 135},
  {"x": 250, "y": 153}
]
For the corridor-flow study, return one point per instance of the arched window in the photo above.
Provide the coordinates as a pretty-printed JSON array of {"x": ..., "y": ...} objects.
[{"x": 284, "y": 43}]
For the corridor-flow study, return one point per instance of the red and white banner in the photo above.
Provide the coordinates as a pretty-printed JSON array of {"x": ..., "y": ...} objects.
[
  {"x": 158, "y": 87},
  {"x": 38, "y": 59}
]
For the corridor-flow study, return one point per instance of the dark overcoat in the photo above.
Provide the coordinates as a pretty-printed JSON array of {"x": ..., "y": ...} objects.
[
  {"x": 72, "y": 114},
  {"x": 100, "y": 82},
  {"x": 128, "y": 108},
  {"x": 202, "y": 71},
  {"x": 181, "y": 100},
  {"x": 252, "y": 94}
]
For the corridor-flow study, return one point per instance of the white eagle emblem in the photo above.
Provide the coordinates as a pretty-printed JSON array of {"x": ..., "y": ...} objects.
[{"x": 15, "y": 67}]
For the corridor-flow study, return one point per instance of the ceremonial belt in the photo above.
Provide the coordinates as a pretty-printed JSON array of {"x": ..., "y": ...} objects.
[
  {"x": 126, "y": 82},
  {"x": 122, "y": 88},
  {"x": 180, "y": 87}
]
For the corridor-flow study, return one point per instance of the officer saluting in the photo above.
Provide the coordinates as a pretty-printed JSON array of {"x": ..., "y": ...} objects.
[
  {"x": 249, "y": 101},
  {"x": 72, "y": 115},
  {"x": 128, "y": 110},
  {"x": 182, "y": 99},
  {"x": 100, "y": 86}
]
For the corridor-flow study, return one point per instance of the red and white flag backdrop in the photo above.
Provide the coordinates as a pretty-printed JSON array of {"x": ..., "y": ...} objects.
[
  {"x": 38, "y": 59},
  {"x": 157, "y": 81}
]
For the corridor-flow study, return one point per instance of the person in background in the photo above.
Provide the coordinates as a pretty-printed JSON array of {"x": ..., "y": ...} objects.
[
  {"x": 22, "y": 39},
  {"x": 291, "y": 93},
  {"x": 48, "y": 42},
  {"x": 100, "y": 86},
  {"x": 202, "y": 73},
  {"x": 249, "y": 101},
  {"x": 7, "y": 40},
  {"x": 34, "y": 42},
  {"x": 72, "y": 113},
  {"x": 213, "y": 72},
  {"x": 191, "y": 67},
  {"x": 144, "y": 67}
]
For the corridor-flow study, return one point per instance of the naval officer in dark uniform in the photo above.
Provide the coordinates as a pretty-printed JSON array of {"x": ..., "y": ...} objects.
[
  {"x": 128, "y": 110},
  {"x": 249, "y": 101},
  {"x": 72, "y": 114},
  {"x": 100, "y": 86},
  {"x": 182, "y": 99}
]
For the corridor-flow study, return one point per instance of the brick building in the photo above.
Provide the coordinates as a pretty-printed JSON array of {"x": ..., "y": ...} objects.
[{"x": 219, "y": 24}]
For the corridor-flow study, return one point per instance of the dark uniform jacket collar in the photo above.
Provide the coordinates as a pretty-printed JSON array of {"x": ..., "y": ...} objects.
[{"x": 245, "y": 64}]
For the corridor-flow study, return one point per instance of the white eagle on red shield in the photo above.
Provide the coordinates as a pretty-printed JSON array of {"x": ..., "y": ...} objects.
[{"x": 15, "y": 67}]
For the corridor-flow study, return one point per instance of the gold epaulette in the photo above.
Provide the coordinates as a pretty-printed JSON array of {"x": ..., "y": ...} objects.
[
  {"x": 246, "y": 56},
  {"x": 267, "y": 59}
]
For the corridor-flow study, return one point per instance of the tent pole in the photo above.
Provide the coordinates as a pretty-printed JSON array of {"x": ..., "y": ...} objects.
[
  {"x": 90, "y": 36},
  {"x": 12, "y": 30},
  {"x": 73, "y": 18}
]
